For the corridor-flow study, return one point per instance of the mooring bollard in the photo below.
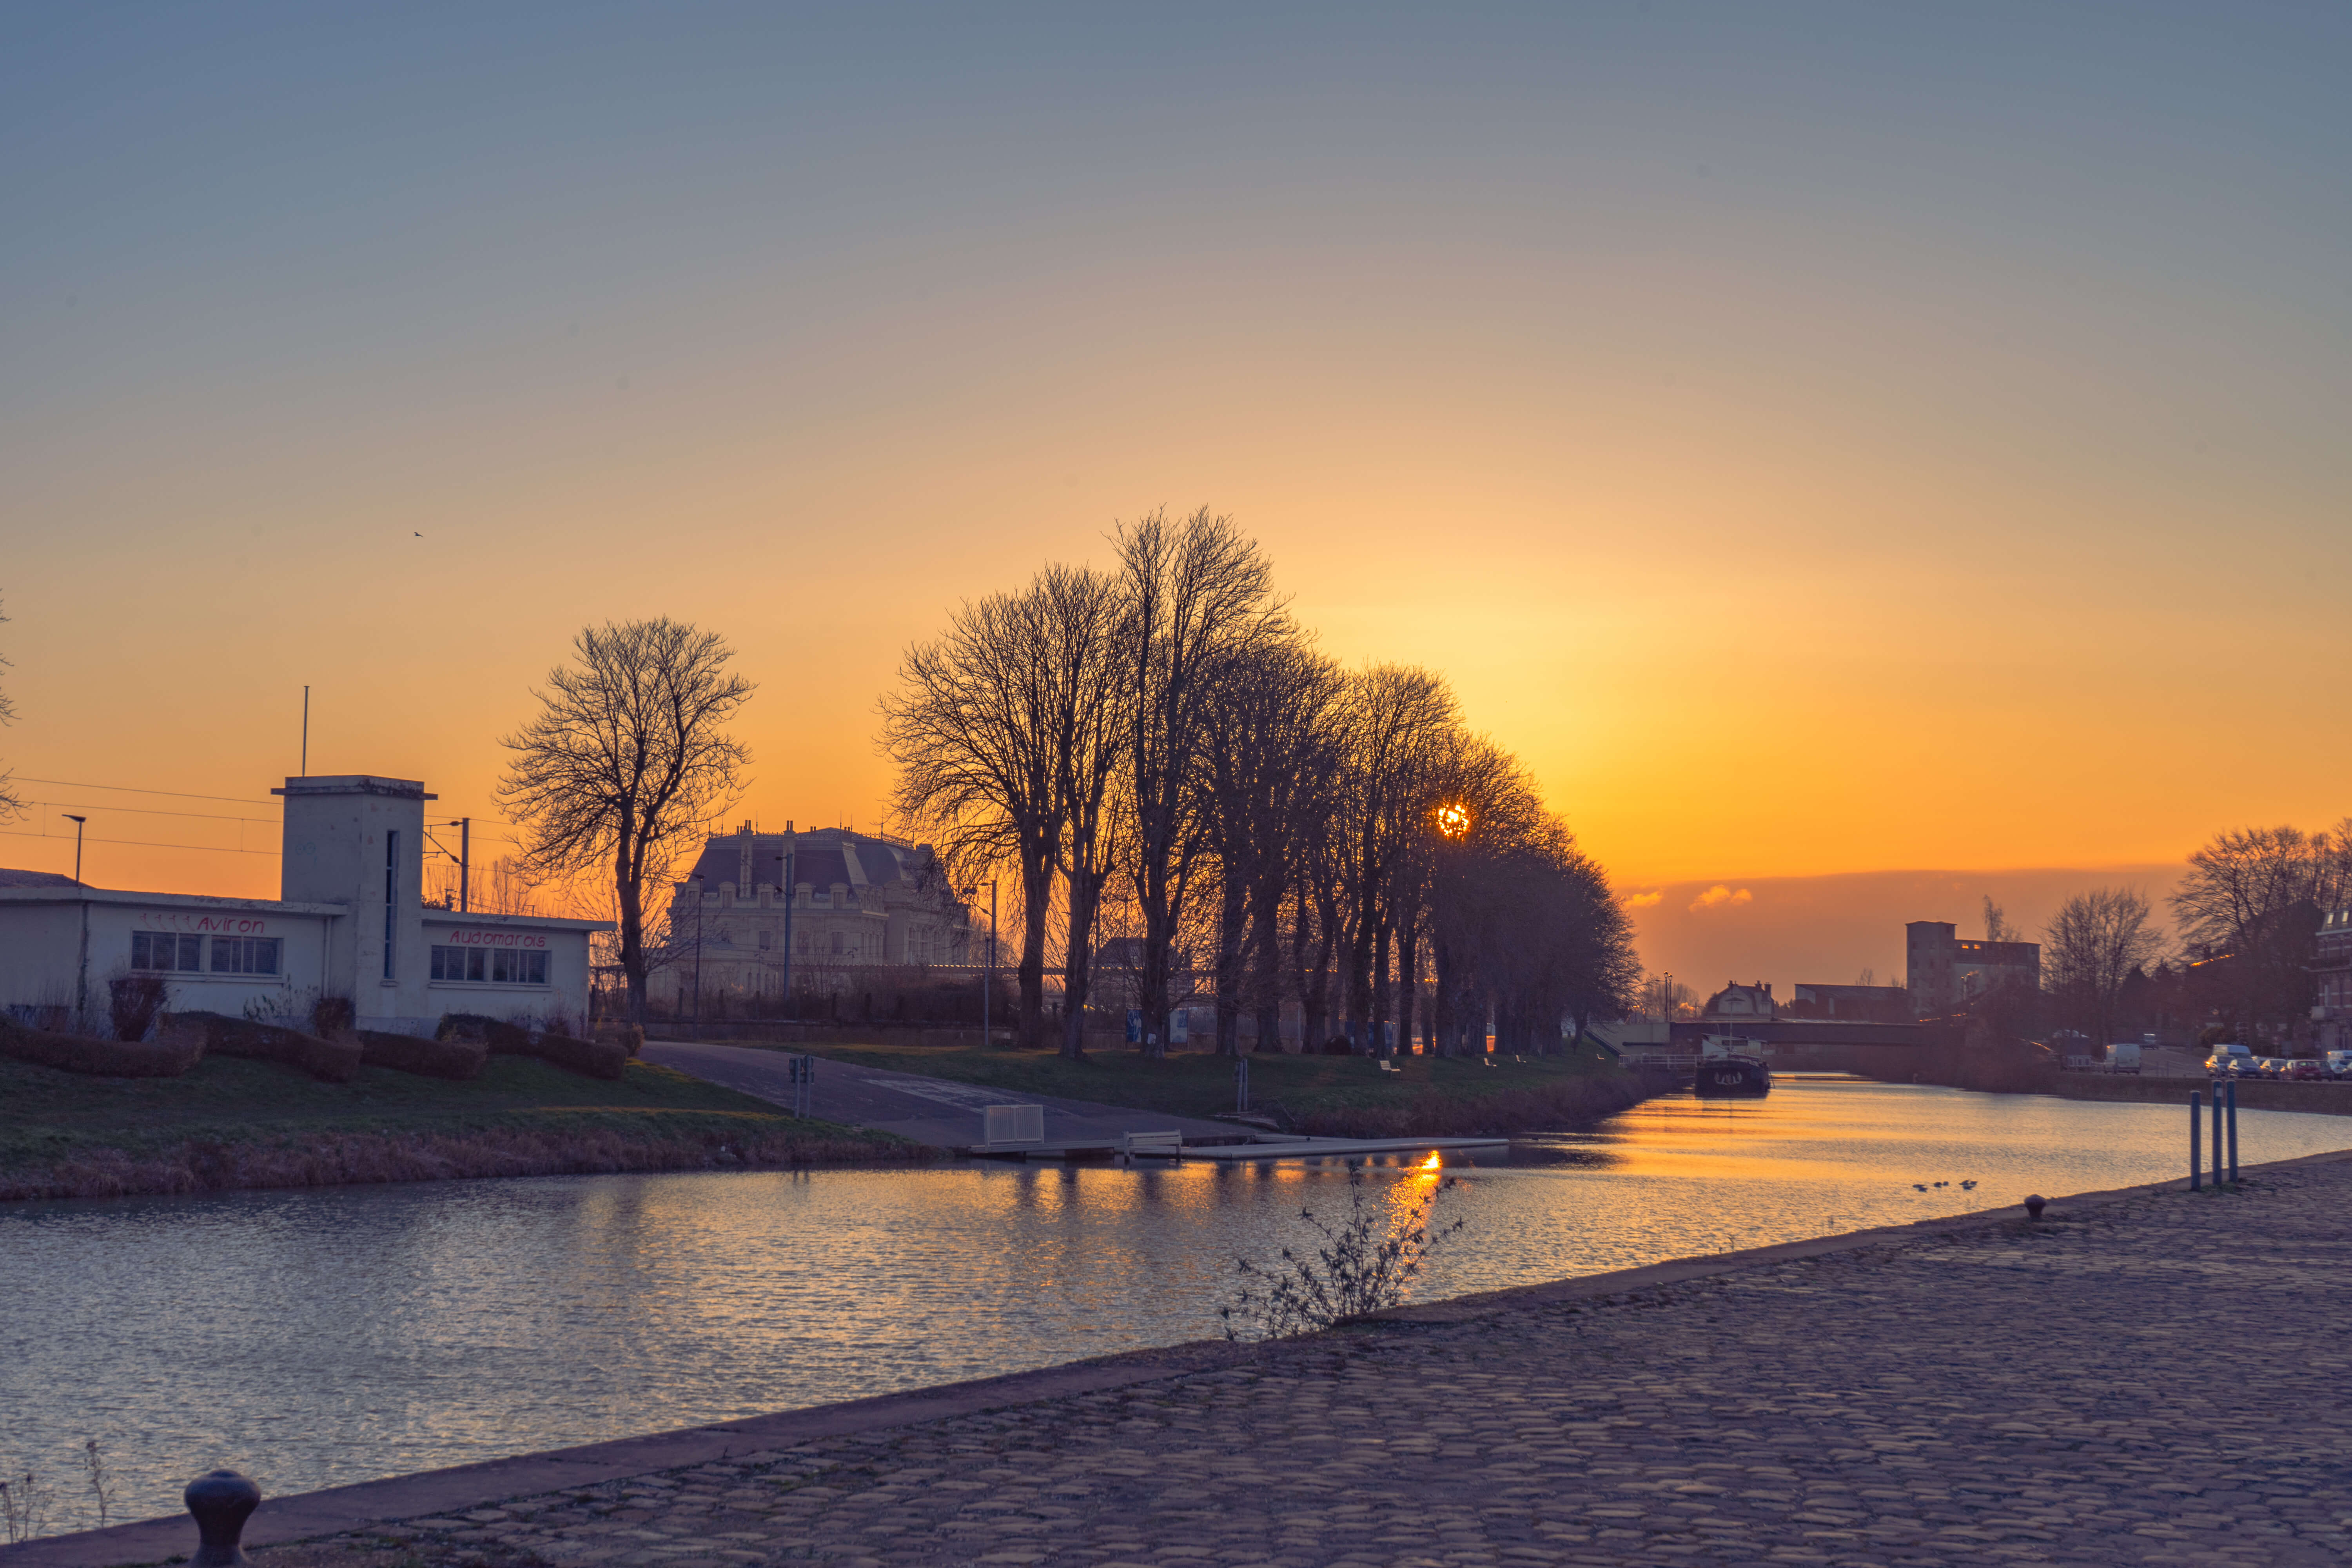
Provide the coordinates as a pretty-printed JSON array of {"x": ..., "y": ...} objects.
[
  {"x": 222, "y": 1503},
  {"x": 2196, "y": 1126},
  {"x": 2233, "y": 1133},
  {"x": 2034, "y": 1206},
  {"x": 2216, "y": 1131}
]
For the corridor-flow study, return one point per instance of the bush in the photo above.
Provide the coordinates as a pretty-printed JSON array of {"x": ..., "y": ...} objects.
[
  {"x": 332, "y": 1061},
  {"x": 604, "y": 1058},
  {"x": 1365, "y": 1265},
  {"x": 332, "y": 1016},
  {"x": 131, "y": 1002},
  {"x": 171, "y": 1052},
  {"x": 457, "y": 1059}
]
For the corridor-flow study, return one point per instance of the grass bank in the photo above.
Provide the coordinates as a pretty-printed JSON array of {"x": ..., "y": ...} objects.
[
  {"x": 1432, "y": 1097},
  {"x": 234, "y": 1123}
]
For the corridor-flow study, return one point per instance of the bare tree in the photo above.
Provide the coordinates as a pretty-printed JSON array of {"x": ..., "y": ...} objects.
[
  {"x": 1997, "y": 926},
  {"x": 2096, "y": 943},
  {"x": 1663, "y": 998},
  {"x": 1199, "y": 597},
  {"x": 972, "y": 729},
  {"x": 628, "y": 763},
  {"x": 10, "y": 802},
  {"x": 1087, "y": 622},
  {"x": 2249, "y": 909}
]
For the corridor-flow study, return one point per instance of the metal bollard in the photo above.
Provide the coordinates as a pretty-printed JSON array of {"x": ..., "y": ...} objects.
[
  {"x": 222, "y": 1502},
  {"x": 2196, "y": 1127},
  {"x": 2233, "y": 1133},
  {"x": 2217, "y": 1133},
  {"x": 1241, "y": 1083},
  {"x": 2034, "y": 1204}
]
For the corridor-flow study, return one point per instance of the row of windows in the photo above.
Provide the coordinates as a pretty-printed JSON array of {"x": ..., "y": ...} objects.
[
  {"x": 918, "y": 948},
  {"x": 171, "y": 953},
  {"x": 499, "y": 966}
]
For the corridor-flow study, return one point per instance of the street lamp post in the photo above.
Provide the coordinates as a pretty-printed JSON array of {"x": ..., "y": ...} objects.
[
  {"x": 81, "y": 962},
  {"x": 987, "y": 982}
]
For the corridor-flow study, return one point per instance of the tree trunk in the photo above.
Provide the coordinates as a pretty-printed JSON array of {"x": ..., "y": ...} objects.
[
  {"x": 1086, "y": 894},
  {"x": 628, "y": 895},
  {"x": 1231, "y": 928},
  {"x": 1036, "y": 895},
  {"x": 1265, "y": 963},
  {"x": 1408, "y": 982}
]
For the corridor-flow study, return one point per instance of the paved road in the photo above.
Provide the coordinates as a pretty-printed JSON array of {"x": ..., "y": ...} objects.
[
  {"x": 2158, "y": 1380},
  {"x": 927, "y": 1110}
]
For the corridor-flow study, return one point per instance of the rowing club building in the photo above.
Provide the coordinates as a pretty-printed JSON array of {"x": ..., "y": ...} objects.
[{"x": 349, "y": 920}]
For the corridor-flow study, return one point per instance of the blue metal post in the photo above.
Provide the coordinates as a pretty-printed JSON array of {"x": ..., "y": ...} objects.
[
  {"x": 2216, "y": 1131},
  {"x": 2195, "y": 1129},
  {"x": 2233, "y": 1133}
]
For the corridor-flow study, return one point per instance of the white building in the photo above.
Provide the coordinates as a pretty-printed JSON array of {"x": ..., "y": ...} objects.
[
  {"x": 349, "y": 922},
  {"x": 817, "y": 905}
]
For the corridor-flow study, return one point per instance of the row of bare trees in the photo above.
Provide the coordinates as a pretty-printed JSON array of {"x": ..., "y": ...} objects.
[{"x": 1161, "y": 737}]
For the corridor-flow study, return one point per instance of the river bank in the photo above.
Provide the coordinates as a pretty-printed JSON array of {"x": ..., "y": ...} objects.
[
  {"x": 232, "y": 1123},
  {"x": 1323, "y": 1096},
  {"x": 1934, "y": 1394},
  {"x": 2021, "y": 1070}
]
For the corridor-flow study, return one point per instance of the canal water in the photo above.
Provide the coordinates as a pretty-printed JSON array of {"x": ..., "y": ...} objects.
[{"x": 317, "y": 1338}]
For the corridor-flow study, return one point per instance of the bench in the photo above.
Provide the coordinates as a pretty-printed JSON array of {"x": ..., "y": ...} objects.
[{"x": 1166, "y": 1145}]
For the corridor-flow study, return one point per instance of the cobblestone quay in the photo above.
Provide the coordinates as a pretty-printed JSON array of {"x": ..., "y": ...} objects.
[{"x": 2158, "y": 1378}]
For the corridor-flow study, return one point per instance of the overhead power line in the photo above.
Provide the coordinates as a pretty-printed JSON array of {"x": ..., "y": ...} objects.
[
  {"x": 138, "y": 843},
  {"x": 135, "y": 789},
  {"x": 160, "y": 811}
]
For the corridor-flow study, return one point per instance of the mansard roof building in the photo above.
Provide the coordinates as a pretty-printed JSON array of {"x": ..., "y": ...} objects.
[{"x": 829, "y": 899}]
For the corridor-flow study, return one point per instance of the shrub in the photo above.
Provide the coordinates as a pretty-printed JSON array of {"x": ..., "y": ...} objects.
[
  {"x": 334, "y": 1061},
  {"x": 1365, "y": 1264},
  {"x": 332, "y": 1015},
  {"x": 457, "y": 1059},
  {"x": 131, "y": 1002},
  {"x": 173, "y": 1052}
]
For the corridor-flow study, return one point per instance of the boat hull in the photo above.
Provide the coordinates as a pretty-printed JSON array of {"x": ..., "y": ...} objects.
[{"x": 1732, "y": 1079}]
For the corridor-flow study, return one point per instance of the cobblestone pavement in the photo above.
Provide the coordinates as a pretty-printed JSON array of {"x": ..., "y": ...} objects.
[{"x": 2160, "y": 1380}]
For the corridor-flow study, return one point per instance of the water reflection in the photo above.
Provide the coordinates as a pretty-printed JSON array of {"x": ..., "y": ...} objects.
[{"x": 320, "y": 1337}]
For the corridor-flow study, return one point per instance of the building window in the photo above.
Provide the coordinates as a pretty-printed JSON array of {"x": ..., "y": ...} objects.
[
  {"x": 800, "y": 943},
  {"x": 458, "y": 964},
  {"x": 508, "y": 967},
  {"x": 767, "y": 940},
  {"x": 244, "y": 955},
  {"x": 162, "y": 950},
  {"x": 836, "y": 944}
]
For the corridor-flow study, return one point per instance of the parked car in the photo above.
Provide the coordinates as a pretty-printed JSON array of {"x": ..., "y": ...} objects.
[
  {"x": 2123, "y": 1055},
  {"x": 2230, "y": 1060},
  {"x": 2303, "y": 1069},
  {"x": 2337, "y": 1064}
]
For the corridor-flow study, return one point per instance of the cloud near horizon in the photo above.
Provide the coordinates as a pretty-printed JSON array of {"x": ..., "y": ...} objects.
[
  {"x": 1644, "y": 901},
  {"x": 1719, "y": 896}
]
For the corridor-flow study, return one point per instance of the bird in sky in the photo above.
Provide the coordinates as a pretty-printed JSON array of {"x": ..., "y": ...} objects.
[{"x": 420, "y": 536}]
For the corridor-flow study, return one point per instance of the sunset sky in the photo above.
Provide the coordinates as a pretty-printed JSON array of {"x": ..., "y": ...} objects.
[{"x": 1819, "y": 440}]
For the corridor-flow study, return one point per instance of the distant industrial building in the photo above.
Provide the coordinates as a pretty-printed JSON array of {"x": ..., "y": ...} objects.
[
  {"x": 1946, "y": 972},
  {"x": 758, "y": 907},
  {"x": 349, "y": 922}
]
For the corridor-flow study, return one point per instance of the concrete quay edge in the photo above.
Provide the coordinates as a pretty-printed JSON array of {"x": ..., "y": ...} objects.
[{"x": 336, "y": 1511}]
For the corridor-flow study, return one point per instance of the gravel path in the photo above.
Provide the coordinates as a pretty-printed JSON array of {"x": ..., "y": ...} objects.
[{"x": 2159, "y": 1380}]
